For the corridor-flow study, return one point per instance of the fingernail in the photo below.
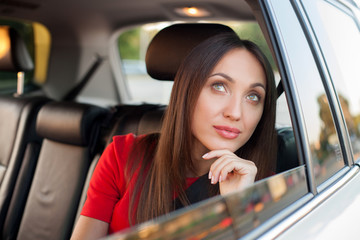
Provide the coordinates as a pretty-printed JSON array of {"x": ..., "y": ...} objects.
[
  {"x": 212, "y": 180},
  {"x": 205, "y": 155},
  {"x": 220, "y": 179},
  {"x": 210, "y": 174}
]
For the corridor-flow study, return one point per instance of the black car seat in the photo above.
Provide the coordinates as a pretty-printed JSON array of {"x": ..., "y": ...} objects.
[
  {"x": 70, "y": 131},
  {"x": 19, "y": 143}
]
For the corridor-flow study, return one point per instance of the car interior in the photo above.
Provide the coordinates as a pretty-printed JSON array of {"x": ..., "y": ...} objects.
[
  {"x": 49, "y": 147},
  {"x": 54, "y": 145}
]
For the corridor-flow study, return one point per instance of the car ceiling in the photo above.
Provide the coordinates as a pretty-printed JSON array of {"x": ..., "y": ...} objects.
[
  {"x": 81, "y": 29},
  {"x": 116, "y": 13}
]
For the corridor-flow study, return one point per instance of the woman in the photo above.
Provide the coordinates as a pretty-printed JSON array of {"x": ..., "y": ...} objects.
[{"x": 219, "y": 124}]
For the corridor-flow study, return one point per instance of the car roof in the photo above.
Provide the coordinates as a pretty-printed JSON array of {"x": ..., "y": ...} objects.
[{"x": 116, "y": 13}]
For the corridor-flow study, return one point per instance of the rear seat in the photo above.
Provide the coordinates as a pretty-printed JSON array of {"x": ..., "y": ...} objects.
[
  {"x": 19, "y": 144},
  {"x": 19, "y": 147},
  {"x": 70, "y": 132}
]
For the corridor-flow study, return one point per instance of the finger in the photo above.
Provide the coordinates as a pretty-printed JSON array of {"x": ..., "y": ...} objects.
[
  {"x": 218, "y": 165},
  {"x": 217, "y": 154},
  {"x": 213, "y": 174},
  {"x": 220, "y": 159},
  {"x": 246, "y": 169}
]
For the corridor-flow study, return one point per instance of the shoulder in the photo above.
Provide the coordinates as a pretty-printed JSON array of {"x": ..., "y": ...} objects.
[
  {"x": 131, "y": 139},
  {"x": 121, "y": 140},
  {"x": 123, "y": 145}
]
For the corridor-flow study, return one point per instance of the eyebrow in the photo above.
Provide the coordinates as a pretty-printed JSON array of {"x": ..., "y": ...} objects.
[
  {"x": 227, "y": 77},
  {"x": 230, "y": 79}
]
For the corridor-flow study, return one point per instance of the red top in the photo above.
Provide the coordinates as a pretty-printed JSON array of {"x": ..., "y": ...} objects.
[{"x": 108, "y": 197}]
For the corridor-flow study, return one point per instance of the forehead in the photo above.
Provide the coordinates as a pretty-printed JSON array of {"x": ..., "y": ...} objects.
[{"x": 241, "y": 65}]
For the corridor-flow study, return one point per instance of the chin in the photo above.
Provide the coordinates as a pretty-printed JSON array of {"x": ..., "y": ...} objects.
[{"x": 224, "y": 145}]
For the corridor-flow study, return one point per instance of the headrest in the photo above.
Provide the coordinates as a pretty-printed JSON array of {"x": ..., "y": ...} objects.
[
  {"x": 172, "y": 44},
  {"x": 14, "y": 56},
  {"x": 68, "y": 122}
]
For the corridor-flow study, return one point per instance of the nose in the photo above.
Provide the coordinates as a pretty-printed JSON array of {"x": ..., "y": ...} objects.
[{"x": 233, "y": 109}]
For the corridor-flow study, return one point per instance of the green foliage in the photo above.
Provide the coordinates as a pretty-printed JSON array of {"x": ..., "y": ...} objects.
[{"x": 129, "y": 44}]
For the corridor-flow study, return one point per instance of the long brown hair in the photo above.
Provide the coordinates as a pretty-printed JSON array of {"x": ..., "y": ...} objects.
[{"x": 164, "y": 160}]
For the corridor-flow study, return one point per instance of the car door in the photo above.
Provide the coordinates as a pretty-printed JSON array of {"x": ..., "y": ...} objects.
[{"x": 325, "y": 86}]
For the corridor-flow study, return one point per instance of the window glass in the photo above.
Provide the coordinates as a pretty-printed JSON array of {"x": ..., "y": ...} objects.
[
  {"x": 341, "y": 48},
  {"x": 324, "y": 142},
  {"x": 37, "y": 40},
  {"x": 8, "y": 80},
  {"x": 311, "y": 100},
  {"x": 226, "y": 217},
  {"x": 133, "y": 44}
]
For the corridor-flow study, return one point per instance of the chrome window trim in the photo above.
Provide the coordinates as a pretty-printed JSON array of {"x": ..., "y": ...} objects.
[
  {"x": 258, "y": 232},
  {"x": 292, "y": 95},
  {"x": 311, "y": 205},
  {"x": 334, "y": 102},
  {"x": 342, "y": 172}
]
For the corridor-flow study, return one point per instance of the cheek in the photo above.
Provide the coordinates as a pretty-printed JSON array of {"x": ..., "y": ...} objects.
[
  {"x": 205, "y": 110},
  {"x": 205, "y": 107}
]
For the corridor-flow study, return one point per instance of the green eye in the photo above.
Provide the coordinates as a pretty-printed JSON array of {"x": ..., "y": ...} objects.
[
  {"x": 253, "y": 97},
  {"x": 219, "y": 87}
]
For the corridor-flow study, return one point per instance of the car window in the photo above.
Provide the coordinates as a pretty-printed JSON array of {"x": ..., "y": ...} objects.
[
  {"x": 132, "y": 45},
  {"x": 325, "y": 149},
  {"x": 37, "y": 40},
  {"x": 340, "y": 46},
  {"x": 317, "y": 129}
]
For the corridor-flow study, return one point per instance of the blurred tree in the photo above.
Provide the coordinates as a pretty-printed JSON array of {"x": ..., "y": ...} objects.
[
  {"x": 327, "y": 128},
  {"x": 129, "y": 44}
]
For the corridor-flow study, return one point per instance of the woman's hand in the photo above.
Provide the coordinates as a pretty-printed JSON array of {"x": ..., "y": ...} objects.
[{"x": 232, "y": 173}]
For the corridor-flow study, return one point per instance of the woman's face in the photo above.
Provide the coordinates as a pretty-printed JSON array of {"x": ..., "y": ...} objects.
[{"x": 230, "y": 104}]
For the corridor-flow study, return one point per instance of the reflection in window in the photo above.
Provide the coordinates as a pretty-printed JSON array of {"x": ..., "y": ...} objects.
[
  {"x": 343, "y": 58},
  {"x": 324, "y": 143},
  {"x": 325, "y": 147},
  {"x": 225, "y": 217}
]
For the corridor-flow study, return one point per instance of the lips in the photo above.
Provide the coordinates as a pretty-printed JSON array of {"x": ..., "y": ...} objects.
[{"x": 227, "y": 132}]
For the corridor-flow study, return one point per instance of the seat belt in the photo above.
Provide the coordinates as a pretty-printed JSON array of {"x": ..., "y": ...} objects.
[
  {"x": 74, "y": 92},
  {"x": 279, "y": 88}
]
